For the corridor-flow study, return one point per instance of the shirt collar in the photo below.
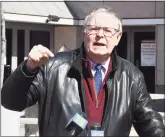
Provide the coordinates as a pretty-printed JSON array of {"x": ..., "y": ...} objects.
[{"x": 104, "y": 64}]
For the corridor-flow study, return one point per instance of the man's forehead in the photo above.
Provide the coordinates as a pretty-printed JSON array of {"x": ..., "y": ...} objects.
[{"x": 104, "y": 20}]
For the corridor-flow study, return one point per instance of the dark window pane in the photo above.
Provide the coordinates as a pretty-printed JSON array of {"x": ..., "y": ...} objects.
[
  {"x": 39, "y": 37},
  {"x": 121, "y": 48},
  {"x": 20, "y": 45},
  {"x": 148, "y": 71},
  {"x": 8, "y": 46}
]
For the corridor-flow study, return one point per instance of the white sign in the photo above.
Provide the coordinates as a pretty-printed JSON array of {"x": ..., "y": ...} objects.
[{"x": 148, "y": 53}]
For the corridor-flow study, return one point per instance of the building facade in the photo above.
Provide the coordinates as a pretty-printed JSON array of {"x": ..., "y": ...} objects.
[{"x": 28, "y": 24}]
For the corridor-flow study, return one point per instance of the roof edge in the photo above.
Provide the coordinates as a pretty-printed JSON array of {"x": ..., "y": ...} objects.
[{"x": 38, "y": 19}]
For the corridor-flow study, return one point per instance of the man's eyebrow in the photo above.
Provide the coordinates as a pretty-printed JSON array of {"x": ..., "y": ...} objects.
[{"x": 110, "y": 28}]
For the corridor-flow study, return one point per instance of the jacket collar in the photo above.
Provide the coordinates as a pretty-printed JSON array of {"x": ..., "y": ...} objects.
[{"x": 78, "y": 58}]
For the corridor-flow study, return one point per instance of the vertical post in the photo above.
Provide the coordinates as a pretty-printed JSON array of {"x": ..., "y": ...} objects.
[
  {"x": 3, "y": 46},
  {"x": 164, "y": 52},
  {"x": 0, "y": 54},
  {"x": 0, "y": 47},
  {"x": 10, "y": 120},
  {"x": 0, "y": 44}
]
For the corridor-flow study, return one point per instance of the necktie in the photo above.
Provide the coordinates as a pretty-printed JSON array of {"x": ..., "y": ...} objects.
[{"x": 98, "y": 77}]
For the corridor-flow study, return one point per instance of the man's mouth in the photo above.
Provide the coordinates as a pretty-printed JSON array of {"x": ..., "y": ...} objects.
[{"x": 99, "y": 44}]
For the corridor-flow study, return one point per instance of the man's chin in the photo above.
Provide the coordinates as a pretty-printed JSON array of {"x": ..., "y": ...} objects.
[{"x": 100, "y": 54}]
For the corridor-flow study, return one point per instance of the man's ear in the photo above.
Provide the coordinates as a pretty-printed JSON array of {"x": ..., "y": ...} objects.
[{"x": 118, "y": 38}]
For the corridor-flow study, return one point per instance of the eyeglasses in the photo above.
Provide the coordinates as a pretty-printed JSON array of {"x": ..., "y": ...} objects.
[{"x": 108, "y": 32}]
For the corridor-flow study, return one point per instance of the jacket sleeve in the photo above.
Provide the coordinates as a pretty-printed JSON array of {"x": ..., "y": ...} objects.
[
  {"x": 21, "y": 90},
  {"x": 147, "y": 122}
]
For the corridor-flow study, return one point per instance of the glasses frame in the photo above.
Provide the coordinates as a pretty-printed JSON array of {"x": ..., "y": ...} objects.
[{"x": 116, "y": 30}]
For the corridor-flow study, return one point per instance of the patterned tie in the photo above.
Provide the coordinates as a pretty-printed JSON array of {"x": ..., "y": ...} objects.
[{"x": 98, "y": 77}]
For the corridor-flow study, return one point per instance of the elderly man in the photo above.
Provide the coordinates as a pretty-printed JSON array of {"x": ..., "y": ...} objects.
[{"x": 93, "y": 79}]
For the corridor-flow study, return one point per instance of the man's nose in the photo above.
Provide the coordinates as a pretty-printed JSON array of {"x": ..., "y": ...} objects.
[{"x": 100, "y": 33}]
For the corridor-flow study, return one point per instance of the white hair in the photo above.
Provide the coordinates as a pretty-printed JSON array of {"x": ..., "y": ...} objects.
[{"x": 102, "y": 10}]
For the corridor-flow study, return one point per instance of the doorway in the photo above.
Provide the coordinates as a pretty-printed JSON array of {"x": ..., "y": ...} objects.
[
  {"x": 129, "y": 48},
  {"x": 147, "y": 70},
  {"x": 21, "y": 37},
  {"x": 122, "y": 47}
]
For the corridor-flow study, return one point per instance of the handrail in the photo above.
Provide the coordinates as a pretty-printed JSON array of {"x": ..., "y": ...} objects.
[{"x": 157, "y": 96}]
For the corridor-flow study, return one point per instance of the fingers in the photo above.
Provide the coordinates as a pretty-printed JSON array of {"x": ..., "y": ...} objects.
[
  {"x": 45, "y": 51},
  {"x": 39, "y": 52},
  {"x": 39, "y": 55}
]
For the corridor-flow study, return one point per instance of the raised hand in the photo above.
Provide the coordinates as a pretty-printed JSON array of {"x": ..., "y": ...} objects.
[{"x": 38, "y": 55}]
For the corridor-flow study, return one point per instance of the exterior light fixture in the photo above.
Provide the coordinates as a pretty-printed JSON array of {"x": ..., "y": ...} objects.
[{"x": 52, "y": 18}]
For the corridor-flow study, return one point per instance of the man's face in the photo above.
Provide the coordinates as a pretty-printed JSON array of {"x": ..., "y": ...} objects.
[{"x": 102, "y": 35}]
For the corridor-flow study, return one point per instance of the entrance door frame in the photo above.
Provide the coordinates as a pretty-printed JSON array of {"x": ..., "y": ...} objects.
[
  {"x": 140, "y": 29},
  {"x": 27, "y": 27},
  {"x": 130, "y": 40},
  {"x": 128, "y": 31}
]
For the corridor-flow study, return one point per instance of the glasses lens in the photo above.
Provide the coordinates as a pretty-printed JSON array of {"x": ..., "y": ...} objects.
[{"x": 107, "y": 31}]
